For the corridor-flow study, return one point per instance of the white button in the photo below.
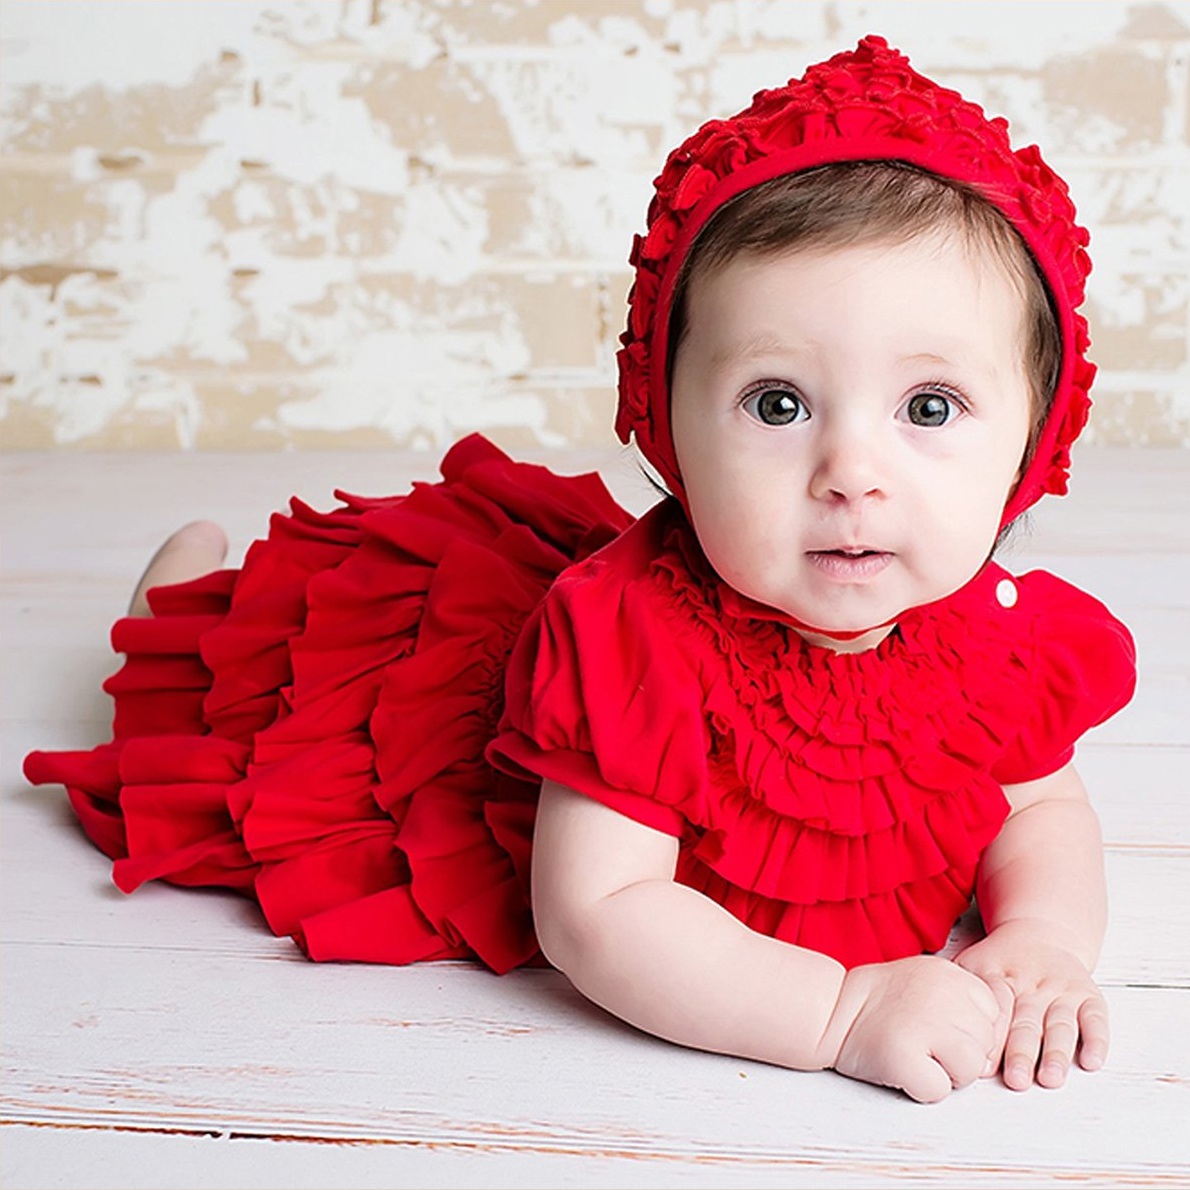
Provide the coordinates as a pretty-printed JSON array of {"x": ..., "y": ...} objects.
[{"x": 1006, "y": 593}]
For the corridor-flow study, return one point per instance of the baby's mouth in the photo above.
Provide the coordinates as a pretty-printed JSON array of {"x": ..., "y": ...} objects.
[
  {"x": 850, "y": 563},
  {"x": 851, "y": 551}
]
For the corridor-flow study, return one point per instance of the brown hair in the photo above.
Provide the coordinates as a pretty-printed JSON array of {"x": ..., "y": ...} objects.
[{"x": 862, "y": 202}]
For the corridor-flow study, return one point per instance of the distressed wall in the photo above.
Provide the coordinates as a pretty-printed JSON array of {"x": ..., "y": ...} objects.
[{"x": 276, "y": 223}]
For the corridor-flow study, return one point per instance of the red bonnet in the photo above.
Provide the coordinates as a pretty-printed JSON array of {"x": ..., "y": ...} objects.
[{"x": 861, "y": 105}]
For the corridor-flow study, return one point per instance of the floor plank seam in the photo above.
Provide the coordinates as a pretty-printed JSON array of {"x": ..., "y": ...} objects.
[{"x": 1154, "y": 1173}]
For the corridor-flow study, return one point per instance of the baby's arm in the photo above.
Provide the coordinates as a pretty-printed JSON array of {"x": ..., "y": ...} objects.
[
  {"x": 674, "y": 963},
  {"x": 1043, "y": 899}
]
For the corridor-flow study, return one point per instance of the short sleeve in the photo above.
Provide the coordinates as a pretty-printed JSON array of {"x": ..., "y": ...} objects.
[
  {"x": 599, "y": 698},
  {"x": 1084, "y": 671}
]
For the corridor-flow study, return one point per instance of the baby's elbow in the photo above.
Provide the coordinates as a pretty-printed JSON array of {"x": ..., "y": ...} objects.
[
  {"x": 564, "y": 932},
  {"x": 584, "y": 856}
]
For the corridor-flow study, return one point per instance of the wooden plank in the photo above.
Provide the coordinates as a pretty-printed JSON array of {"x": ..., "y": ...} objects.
[
  {"x": 99, "y": 500},
  {"x": 446, "y": 1054},
  {"x": 1148, "y": 932},
  {"x": 1120, "y": 501},
  {"x": 1139, "y": 792},
  {"x": 84, "y": 1158}
]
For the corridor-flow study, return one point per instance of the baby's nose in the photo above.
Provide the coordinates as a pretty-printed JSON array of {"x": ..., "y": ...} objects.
[{"x": 850, "y": 468}]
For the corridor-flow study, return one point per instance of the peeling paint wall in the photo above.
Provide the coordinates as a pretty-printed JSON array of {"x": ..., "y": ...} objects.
[{"x": 276, "y": 223}]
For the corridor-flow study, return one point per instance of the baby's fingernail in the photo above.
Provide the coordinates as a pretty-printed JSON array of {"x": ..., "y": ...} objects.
[
  {"x": 1052, "y": 1074},
  {"x": 1017, "y": 1076},
  {"x": 1091, "y": 1060}
]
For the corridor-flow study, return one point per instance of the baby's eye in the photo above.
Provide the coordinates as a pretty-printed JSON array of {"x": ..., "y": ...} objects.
[
  {"x": 775, "y": 406},
  {"x": 932, "y": 408}
]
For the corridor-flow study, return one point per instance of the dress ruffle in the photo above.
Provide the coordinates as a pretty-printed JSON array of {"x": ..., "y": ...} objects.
[{"x": 310, "y": 729}]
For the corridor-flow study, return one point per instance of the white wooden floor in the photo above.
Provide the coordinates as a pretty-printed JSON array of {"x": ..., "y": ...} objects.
[{"x": 167, "y": 1039}]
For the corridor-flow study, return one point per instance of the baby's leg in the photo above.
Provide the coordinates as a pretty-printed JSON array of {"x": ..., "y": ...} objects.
[{"x": 194, "y": 550}]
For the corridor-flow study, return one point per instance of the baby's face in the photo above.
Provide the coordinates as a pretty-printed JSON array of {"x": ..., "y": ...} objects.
[{"x": 848, "y": 424}]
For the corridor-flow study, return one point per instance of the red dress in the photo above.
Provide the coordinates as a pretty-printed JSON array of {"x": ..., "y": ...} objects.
[{"x": 353, "y": 726}]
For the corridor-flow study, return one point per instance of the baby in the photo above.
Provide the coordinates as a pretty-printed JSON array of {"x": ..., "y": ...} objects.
[
  {"x": 853, "y": 399},
  {"x": 737, "y": 766}
]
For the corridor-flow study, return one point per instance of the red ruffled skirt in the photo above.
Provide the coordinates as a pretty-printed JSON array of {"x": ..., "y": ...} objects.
[{"x": 310, "y": 729}]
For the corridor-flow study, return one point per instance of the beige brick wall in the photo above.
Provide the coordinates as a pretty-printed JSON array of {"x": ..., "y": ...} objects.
[{"x": 274, "y": 223}]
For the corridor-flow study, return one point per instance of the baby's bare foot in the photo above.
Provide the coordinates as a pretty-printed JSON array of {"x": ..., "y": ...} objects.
[{"x": 194, "y": 550}]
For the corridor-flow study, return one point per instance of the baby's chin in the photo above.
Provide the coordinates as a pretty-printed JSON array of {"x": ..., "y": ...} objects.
[
  {"x": 843, "y": 633},
  {"x": 846, "y": 641},
  {"x": 839, "y": 618},
  {"x": 833, "y": 624},
  {"x": 852, "y": 633}
]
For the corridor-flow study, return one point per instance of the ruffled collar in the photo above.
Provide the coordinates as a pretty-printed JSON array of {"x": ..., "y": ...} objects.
[{"x": 690, "y": 574}]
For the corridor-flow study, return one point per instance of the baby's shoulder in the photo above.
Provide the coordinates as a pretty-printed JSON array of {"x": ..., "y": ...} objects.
[
  {"x": 1074, "y": 646},
  {"x": 1081, "y": 662},
  {"x": 626, "y": 576},
  {"x": 1048, "y": 609}
]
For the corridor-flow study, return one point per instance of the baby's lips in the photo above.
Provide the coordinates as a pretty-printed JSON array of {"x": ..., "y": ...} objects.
[{"x": 853, "y": 550}]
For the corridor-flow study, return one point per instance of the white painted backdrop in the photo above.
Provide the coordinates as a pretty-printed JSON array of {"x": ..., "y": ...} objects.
[{"x": 277, "y": 223}]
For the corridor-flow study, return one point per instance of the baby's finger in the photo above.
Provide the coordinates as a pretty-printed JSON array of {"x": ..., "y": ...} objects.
[
  {"x": 1093, "y": 1026},
  {"x": 1023, "y": 1046},
  {"x": 927, "y": 1081},
  {"x": 1057, "y": 1050},
  {"x": 961, "y": 1053},
  {"x": 983, "y": 996},
  {"x": 1004, "y": 1000}
]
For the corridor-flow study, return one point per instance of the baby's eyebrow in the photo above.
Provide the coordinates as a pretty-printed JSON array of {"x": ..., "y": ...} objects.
[
  {"x": 989, "y": 368},
  {"x": 928, "y": 357},
  {"x": 765, "y": 344}
]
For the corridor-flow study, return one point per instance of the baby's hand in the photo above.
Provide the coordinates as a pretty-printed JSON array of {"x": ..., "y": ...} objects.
[
  {"x": 1051, "y": 1007},
  {"x": 921, "y": 1024}
]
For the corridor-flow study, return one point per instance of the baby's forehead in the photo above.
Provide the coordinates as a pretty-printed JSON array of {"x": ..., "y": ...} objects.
[
  {"x": 759, "y": 305},
  {"x": 938, "y": 258},
  {"x": 916, "y": 302}
]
